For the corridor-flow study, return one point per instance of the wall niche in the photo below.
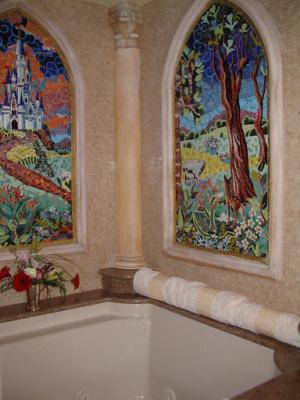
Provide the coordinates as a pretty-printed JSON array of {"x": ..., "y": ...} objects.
[
  {"x": 222, "y": 135},
  {"x": 39, "y": 122}
]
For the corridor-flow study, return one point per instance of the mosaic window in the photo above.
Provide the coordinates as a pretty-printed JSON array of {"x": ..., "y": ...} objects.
[
  {"x": 221, "y": 136},
  {"x": 36, "y": 126}
]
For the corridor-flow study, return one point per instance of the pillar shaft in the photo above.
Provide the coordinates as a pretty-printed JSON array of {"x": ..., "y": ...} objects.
[{"x": 125, "y": 19}]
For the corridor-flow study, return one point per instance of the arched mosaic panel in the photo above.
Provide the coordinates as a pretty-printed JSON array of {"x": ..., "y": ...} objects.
[
  {"x": 221, "y": 136},
  {"x": 36, "y": 136}
]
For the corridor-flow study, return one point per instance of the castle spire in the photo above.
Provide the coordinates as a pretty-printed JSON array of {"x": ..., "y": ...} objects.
[
  {"x": 5, "y": 102},
  {"x": 8, "y": 79},
  {"x": 42, "y": 104},
  {"x": 20, "y": 61},
  {"x": 21, "y": 102},
  {"x": 14, "y": 75},
  {"x": 19, "y": 48},
  {"x": 28, "y": 71}
]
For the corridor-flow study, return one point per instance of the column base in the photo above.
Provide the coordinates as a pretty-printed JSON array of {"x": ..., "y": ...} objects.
[
  {"x": 117, "y": 280},
  {"x": 129, "y": 262}
]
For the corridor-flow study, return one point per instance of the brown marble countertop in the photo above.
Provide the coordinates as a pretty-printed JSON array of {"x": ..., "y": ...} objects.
[
  {"x": 287, "y": 358},
  {"x": 61, "y": 303},
  {"x": 285, "y": 387}
]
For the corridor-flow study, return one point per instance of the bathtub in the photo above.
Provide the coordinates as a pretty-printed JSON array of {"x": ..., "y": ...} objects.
[{"x": 112, "y": 351}]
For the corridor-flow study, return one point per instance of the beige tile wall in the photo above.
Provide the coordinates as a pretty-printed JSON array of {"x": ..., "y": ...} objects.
[
  {"x": 87, "y": 29},
  {"x": 161, "y": 19}
]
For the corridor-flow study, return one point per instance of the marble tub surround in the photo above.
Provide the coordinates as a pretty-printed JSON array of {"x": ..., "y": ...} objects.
[
  {"x": 285, "y": 387},
  {"x": 61, "y": 303},
  {"x": 223, "y": 306},
  {"x": 117, "y": 280}
]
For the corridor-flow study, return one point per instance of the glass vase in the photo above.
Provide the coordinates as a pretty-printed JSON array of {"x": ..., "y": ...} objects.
[{"x": 33, "y": 298}]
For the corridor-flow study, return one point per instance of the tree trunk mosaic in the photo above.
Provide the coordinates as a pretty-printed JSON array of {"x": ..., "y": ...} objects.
[
  {"x": 36, "y": 198},
  {"x": 221, "y": 136}
]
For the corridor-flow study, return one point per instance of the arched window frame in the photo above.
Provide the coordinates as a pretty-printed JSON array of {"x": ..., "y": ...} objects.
[
  {"x": 271, "y": 40},
  {"x": 79, "y": 132}
]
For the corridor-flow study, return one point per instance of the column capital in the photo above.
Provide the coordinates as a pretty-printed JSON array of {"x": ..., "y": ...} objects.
[{"x": 125, "y": 19}]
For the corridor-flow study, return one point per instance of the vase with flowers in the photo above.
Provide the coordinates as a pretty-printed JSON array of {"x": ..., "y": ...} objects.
[{"x": 34, "y": 273}]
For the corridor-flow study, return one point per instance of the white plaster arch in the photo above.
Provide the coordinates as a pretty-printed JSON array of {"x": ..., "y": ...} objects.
[
  {"x": 271, "y": 39},
  {"x": 79, "y": 94}
]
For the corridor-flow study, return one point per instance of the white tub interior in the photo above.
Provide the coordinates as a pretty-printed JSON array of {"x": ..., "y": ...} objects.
[{"x": 125, "y": 352}]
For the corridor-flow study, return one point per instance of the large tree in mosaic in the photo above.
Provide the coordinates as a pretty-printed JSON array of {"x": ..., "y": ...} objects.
[
  {"x": 221, "y": 135},
  {"x": 35, "y": 135}
]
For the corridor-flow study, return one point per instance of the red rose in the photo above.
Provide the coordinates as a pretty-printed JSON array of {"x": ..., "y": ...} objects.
[
  {"x": 4, "y": 273},
  {"x": 76, "y": 281},
  {"x": 21, "y": 281}
]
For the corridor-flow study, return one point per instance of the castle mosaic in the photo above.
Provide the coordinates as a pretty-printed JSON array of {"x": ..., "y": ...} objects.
[{"x": 36, "y": 136}]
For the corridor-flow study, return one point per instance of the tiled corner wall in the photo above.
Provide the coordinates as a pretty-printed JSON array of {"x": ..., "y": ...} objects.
[{"x": 161, "y": 19}]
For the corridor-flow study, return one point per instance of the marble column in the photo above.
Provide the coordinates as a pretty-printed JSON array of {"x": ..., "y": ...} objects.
[{"x": 125, "y": 19}]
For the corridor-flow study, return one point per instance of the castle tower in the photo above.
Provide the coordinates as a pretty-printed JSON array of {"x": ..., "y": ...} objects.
[
  {"x": 20, "y": 61},
  {"x": 21, "y": 113},
  {"x": 6, "y": 110},
  {"x": 8, "y": 82},
  {"x": 27, "y": 85}
]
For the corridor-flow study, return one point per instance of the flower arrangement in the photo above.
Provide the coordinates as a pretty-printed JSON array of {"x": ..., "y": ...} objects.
[{"x": 31, "y": 269}]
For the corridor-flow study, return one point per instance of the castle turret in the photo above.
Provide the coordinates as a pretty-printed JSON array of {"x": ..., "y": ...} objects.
[
  {"x": 7, "y": 79},
  {"x": 40, "y": 114},
  {"x": 8, "y": 82},
  {"x": 14, "y": 76},
  {"x": 21, "y": 113},
  {"x": 42, "y": 105},
  {"x": 6, "y": 99},
  {"x": 20, "y": 61},
  {"x": 28, "y": 76}
]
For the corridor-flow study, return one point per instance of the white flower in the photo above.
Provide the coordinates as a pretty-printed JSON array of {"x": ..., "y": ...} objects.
[
  {"x": 30, "y": 272},
  {"x": 252, "y": 213},
  {"x": 260, "y": 220},
  {"x": 244, "y": 225},
  {"x": 245, "y": 244},
  {"x": 23, "y": 255},
  {"x": 252, "y": 236},
  {"x": 250, "y": 223},
  {"x": 238, "y": 231},
  {"x": 258, "y": 230},
  {"x": 223, "y": 217}
]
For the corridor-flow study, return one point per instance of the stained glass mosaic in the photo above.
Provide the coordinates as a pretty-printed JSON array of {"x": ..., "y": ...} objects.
[
  {"x": 221, "y": 136},
  {"x": 36, "y": 199}
]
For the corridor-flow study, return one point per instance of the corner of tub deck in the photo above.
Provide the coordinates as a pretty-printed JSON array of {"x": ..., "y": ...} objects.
[{"x": 117, "y": 280}]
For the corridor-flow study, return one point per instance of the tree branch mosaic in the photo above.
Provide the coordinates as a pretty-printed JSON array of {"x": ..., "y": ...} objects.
[
  {"x": 221, "y": 136},
  {"x": 36, "y": 171}
]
